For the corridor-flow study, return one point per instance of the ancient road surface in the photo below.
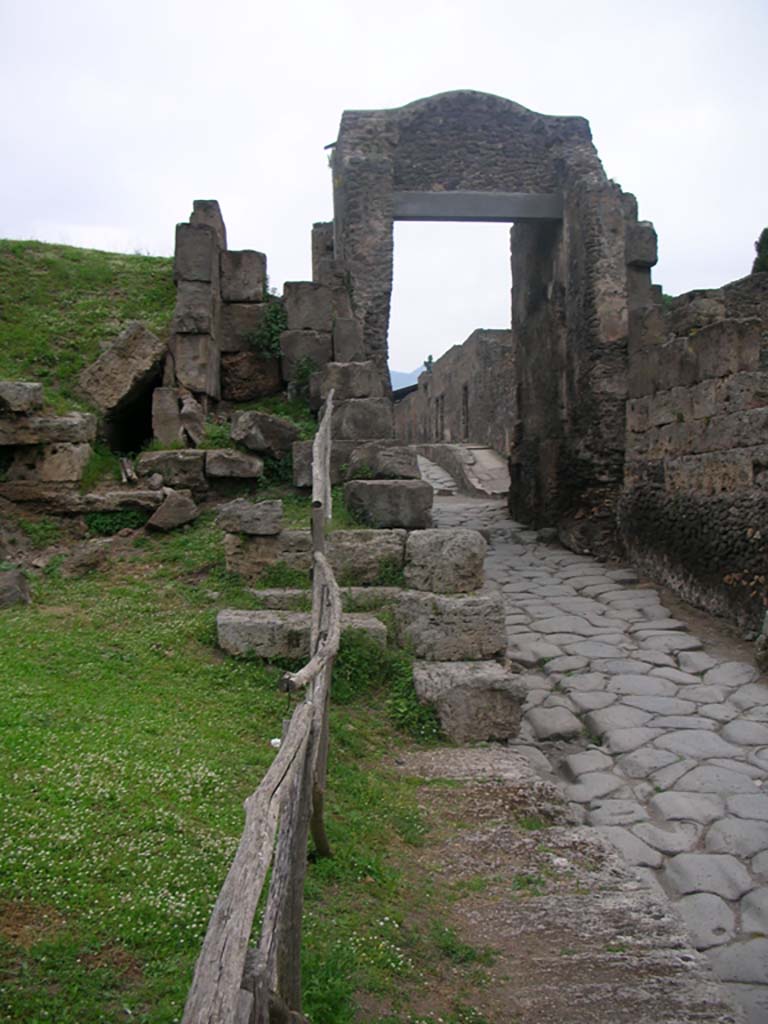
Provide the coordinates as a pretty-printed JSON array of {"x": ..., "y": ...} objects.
[{"x": 660, "y": 745}]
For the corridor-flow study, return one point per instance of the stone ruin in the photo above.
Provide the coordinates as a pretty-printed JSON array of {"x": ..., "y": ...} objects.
[{"x": 629, "y": 421}]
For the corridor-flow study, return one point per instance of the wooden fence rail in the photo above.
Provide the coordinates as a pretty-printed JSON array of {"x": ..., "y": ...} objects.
[{"x": 233, "y": 984}]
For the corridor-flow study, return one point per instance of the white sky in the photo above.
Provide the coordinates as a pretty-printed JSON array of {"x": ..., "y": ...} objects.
[{"x": 116, "y": 115}]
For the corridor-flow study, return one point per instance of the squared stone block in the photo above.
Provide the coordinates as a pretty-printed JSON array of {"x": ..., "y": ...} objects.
[
  {"x": 255, "y": 518},
  {"x": 243, "y": 275},
  {"x": 358, "y": 556},
  {"x": 125, "y": 370},
  {"x": 246, "y": 376},
  {"x": 197, "y": 254},
  {"x": 49, "y": 464},
  {"x": 447, "y": 561},
  {"x": 227, "y": 463},
  {"x": 383, "y": 460},
  {"x": 303, "y": 352},
  {"x": 208, "y": 212},
  {"x": 274, "y": 633},
  {"x": 262, "y": 432},
  {"x": 476, "y": 701},
  {"x": 641, "y": 244},
  {"x": 347, "y": 340},
  {"x": 20, "y": 396},
  {"x": 347, "y": 380},
  {"x": 363, "y": 419},
  {"x": 73, "y": 428},
  {"x": 391, "y": 503},
  {"x": 442, "y": 627},
  {"x": 166, "y": 416},
  {"x": 197, "y": 363},
  {"x": 309, "y": 306},
  {"x": 302, "y": 462},
  {"x": 239, "y": 326},
  {"x": 195, "y": 308},
  {"x": 184, "y": 467}
]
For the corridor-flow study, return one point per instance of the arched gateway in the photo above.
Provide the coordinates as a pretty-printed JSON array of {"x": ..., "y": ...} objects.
[{"x": 580, "y": 265}]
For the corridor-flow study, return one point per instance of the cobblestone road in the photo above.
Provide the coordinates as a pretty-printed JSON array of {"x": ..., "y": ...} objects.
[{"x": 674, "y": 741}]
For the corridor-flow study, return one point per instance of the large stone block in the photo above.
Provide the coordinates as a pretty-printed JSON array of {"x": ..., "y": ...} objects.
[
  {"x": 302, "y": 351},
  {"x": 197, "y": 363},
  {"x": 448, "y": 561},
  {"x": 439, "y": 627},
  {"x": 184, "y": 467},
  {"x": 476, "y": 701},
  {"x": 641, "y": 244},
  {"x": 195, "y": 311},
  {"x": 226, "y": 463},
  {"x": 391, "y": 503},
  {"x": 129, "y": 367},
  {"x": 348, "y": 344},
  {"x": 246, "y": 376},
  {"x": 282, "y": 634},
  {"x": 20, "y": 396},
  {"x": 383, "y": 461},
  {"x": 208, "y": 212},
  {"x": 197, "y": 254},
  {"x": 176, "y": 510},
  {"x": 50, "y": 464},
  {"x": 264, "y": 433},
  {"x": 256, "y": 518},
  {"x": 362, "y": 419},
  {"x": 348, "y": 380},
  {"x": 239, "y": 326},
  {"x": 243, "y": 275},
  {"x": 359, "y": 557},
  {"x": 166, "y": 416},
  {"x": 73, "y": 428},
  {"x": 309, "y": 306}
]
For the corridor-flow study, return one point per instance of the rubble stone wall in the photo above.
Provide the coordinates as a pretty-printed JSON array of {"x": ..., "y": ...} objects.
[
  {"x": 694, "y": 512},
  {"x": 468, "y": 395}
]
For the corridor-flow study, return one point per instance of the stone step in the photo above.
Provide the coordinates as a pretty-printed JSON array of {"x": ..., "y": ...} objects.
[{"x": 277, "y": 633}]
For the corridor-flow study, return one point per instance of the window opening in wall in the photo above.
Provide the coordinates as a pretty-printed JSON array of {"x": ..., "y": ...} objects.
[{"x": 449, "y": 279}]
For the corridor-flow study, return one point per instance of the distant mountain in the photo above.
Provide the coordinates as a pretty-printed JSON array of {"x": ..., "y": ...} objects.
[{"x": 402, "y": 380}]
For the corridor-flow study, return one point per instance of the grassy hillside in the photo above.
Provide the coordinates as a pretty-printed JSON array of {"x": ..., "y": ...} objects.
[{"x": 58, "y": 303}]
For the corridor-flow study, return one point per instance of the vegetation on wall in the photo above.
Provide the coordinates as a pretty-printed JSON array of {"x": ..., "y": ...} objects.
[{"x": 760, "y": 266}]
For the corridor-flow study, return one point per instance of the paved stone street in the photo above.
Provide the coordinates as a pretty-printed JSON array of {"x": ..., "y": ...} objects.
[{"x": 660, "y": 745}]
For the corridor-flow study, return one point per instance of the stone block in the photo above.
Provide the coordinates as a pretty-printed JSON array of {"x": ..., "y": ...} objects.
[
  {"x": 248, "y": 556},
  {"x": 258, "y": 519},
  {"x": 197, "y": 254},
  {"x": 166, "y": 418},
  {"x": 441, "y": 627},
  {"x": 362, "y": 419},
  {"x": 50, "y": 464},
  {"x": 641, "y": 244},
  {"x": 348, "y": 380},
  {"x": 246, "y": 376},
  {"x": 264, "y": 433},
  {"x": 303, "y": 350},
  {"x": 448, "y": 561},
  {"x": 358, "y": 556},
  {"x": 239, "y": 326},
  {"x": 476, "y": 701},
  {"x": 309, "y": 306},
  {"x": 72, "y": 428},
  {"x": 302, "y": 462},
  {"x": 197, "y": 363},
  {"x": 243, "y": 275},
  {"x": 637, "y": 414},
  {"x": 184, "y": 467},
  {"x": 227, "y": 463},
  {"x": 281, "y": 634},
  {"x": 194, "y": 312},
  {"x": 207, "y": 212},
  {"x": 710, "y": 473},
  {"x": 348, "y": 344},
  {"x": 128, "y": 368},
  {"x": 176, "y": 510},
  {"x": 14, "y": 588},
  {"x": 20, "y": 396},
  {"x": 391, "y": 503},
  {"x": 383, "y": 461}
]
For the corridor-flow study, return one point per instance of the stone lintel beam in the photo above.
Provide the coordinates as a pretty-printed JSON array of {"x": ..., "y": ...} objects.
[{"x": 496, "y": 207}]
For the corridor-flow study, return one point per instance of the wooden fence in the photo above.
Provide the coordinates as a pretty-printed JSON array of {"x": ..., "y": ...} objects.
[{"x": 234, "y": 984}]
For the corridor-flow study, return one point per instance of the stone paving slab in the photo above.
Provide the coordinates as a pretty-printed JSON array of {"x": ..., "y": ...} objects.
[{"x": 675, "y": 782}]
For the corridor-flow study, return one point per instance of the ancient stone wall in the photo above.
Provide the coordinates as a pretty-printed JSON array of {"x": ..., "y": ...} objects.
[
  {"x": 469, "y": 395},
  {"x": 695, "y": 508}
]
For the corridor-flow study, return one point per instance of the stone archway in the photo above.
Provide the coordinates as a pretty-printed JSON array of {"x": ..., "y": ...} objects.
[{"x": 580, "y": 265}]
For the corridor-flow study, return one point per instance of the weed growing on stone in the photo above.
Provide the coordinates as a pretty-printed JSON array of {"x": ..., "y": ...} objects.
[
  {"x": 102, "y": 464},
  {"x": 106, "y": 524},
  {"x": 41, "y": 532}
]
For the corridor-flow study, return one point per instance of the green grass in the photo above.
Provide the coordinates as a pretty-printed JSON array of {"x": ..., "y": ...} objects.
[
  {"x": 128, "y": 745},
  {"x": 59, "y": 303}
]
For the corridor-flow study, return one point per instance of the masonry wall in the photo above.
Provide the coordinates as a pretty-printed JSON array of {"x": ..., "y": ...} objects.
[
  {"x": 469, "y": 395},
  {"x": 694, "y": 512}
]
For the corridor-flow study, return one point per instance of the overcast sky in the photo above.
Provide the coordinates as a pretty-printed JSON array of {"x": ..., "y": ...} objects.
[{"x": 116, "y": 115}]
